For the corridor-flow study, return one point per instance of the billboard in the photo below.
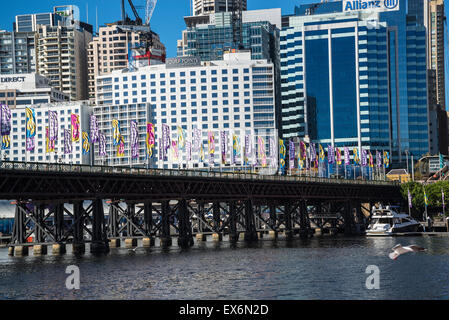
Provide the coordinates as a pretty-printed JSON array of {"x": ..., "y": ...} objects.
[{"x": 370, "y": 5}]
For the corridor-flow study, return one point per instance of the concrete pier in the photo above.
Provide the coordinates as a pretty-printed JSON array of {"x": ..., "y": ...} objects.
[
  {"x": 39, "y": 250},
  {"x": 201, "y": 237},
  {"x": 11, "y": 251},
  {"x": 130, "y": 243},
  {"x": 115, "y": 243},
  {"x": 58, "y": 249},
  {"x": 20, "y": 251},
  {"x": 272, "y": 235},
  {"x": 78, "y": 248},
  {"x": 217, "y": 237},
  {"x": 166, "y": 242},
  {"x": 148, "y": 242}
]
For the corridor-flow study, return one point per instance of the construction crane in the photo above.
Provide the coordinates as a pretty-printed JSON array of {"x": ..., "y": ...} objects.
[{"x": 143, "y": 29}]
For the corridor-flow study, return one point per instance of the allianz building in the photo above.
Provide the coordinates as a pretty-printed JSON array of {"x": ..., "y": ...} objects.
[{"x": 353, "y": 73}]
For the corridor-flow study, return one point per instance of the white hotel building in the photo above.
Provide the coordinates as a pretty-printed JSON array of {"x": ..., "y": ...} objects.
[
  {"x": 236, "y": 95},
  {"x": 18, "y": 151}
]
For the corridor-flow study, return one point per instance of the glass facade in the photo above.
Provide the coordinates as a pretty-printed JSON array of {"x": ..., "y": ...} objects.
[{"x": 353, "y": 80}]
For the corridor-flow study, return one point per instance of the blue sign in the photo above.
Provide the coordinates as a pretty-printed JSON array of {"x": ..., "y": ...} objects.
[{"x": 370, "y": 5}]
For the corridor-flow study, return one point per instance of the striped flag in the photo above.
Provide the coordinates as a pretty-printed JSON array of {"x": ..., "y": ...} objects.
[{"x": 409, "y": 199}]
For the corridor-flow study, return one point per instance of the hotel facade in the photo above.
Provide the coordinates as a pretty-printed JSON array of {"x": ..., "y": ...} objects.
[{"x": 235, "y": 94}]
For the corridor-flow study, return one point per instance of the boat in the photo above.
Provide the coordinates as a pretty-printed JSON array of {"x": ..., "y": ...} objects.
[{"x": 388, "y": 222}]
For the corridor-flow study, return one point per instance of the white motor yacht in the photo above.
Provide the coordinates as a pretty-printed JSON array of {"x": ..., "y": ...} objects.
[{"x": 387, "y": 222}]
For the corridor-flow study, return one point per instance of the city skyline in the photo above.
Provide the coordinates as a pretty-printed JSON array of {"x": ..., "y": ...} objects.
[{"x": 170, "y": 30}]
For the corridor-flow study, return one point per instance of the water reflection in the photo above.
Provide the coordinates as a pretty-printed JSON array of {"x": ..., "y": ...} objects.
[{"x": 319, "y": 268}]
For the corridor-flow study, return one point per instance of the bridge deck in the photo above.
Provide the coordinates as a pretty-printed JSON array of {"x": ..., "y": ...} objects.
[{"x": 62, "y": 181}]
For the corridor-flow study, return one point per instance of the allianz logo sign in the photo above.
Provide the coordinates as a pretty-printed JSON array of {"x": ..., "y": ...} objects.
[{"x": 372, "y": 5}]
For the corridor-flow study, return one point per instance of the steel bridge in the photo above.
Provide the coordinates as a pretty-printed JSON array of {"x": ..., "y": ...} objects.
[{"x": 59, "y": 204}]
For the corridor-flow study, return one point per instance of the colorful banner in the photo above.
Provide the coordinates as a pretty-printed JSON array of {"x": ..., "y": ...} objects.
[
  {"x": 224, "y": 146},
  {"x": 161, "y": 153},
  {"x": 371, "y": 160},
  {"x": 386, "y": 159},
  {"x": 121, "y": 147},
  {"x": 189, "y": 151},
  {"x": 30, "y": 129},
  {"x": 235, "y": 148},
  {"x": 102, "y": 145},
  {"x": 202, "y": 155},
  {"x": 364, "y": 158},
  {"x": 175, "y": 150},
  {"x": 94, "y": 130},
  {"x": 330, "y": 154},
  {"x": 356, "y": 156},
  {"x": 338, "y": 152},
  {"x": 211, "y": 144},
  {"x": 86, "y": 143},
  {"x": 378, "y": 159},
  {"x": 291, "y": 154},
  {"x": 262, "y": 152},
  {"x": 6, "y": 142},
  {"x": 75, "y": 122},
  {"x": 282, "y": 153},
  {"x": 181, "y": 138},
  {"x": 50, "y": 145},
  {"x": 248, "y": 149},
  {"x": 166, "y": 141},
  {"x": 67, "y": 142},
  {"x": 53, "y": 125},
  {"x": 134, "y": 140},
  {"x": 116, "y": 132},
  {"x": 150, "y": 140},
  {"x": 426, "y": 200},
  {"x": 197, "y": 140},
  {"x": 322, "y": 155},
  {"x": 347, "y": 156},
  {"x": 5, "y": 120},
  {"x": 30, "y": 123}
]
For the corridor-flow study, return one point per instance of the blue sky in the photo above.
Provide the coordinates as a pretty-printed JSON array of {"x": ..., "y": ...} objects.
[{"x": 167, "y": 19}]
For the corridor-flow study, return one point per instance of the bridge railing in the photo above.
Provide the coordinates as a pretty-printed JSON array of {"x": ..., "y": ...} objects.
[{"x": 71, "y": 168}]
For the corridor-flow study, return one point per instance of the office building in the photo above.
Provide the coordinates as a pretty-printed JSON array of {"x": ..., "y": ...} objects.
[
  {"x": 356, "y": 77},
  {"x": 434, "y": 22},
  {"x": 62, "y": 58},
  {"x": 236, "y": 94},
  {"x": 110, "y": 50},
  {"x": 61, "y": 16},
  {"x": 18, "y": 138},
  {"x": 28, "y": 89},
  {"x": 206, "y": 7},
  {"x": 210, "y": 40},
  {"x": 17, "y": 52}
]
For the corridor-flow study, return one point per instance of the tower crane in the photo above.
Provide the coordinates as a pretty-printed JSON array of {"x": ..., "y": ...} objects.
[{"x": 143, "y": 29}]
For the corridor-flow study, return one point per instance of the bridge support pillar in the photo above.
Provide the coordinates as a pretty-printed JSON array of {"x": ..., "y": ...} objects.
[
  {"x": 39, "y": 250},
  {"x": 250, "y": 224},
  {"x": 216, "y": 216},
  {"x": 114, "y": 243},
  {"x": 304, "y": 230},
  {"x": 185, "y": 238},
  {"x": 288, "y": 221},
  {"x": 165, "y": 237},
  {"x": 233, "y": 234},
  {"x": 21, "y": 251},
  {"x": 78, "y": 246},
  {"x": 11, "y": 251},
  {"x": 148, "y": 223},
  {"x": 273, "y": 218},
  {"x": 100, "y": 243},
  {"x": 148, "y": 242},
  {"x": 201, "y": 237},
  {"x": 349, "y": 217},
  {"x": 130, "y": 243},
  {"x": 58, "y": 249},
  {"x": 272, "y": 235}
]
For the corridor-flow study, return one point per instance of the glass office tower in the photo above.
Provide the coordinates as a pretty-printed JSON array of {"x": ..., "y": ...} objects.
[{"x": 355, "y": 78}]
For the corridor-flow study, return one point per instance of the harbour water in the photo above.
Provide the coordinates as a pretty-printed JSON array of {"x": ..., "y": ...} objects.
[{"x": 323, "y": 267}]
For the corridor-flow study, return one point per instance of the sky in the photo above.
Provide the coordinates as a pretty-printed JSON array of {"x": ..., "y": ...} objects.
[{"x": 167, "y": 19}]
